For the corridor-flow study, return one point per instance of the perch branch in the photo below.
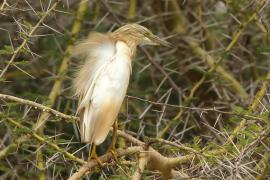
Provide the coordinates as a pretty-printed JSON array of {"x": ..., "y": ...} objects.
[
  {"x": 142, "y": 162},
  {"x": 104, "y": 158},
  {"x": 155, "y": 161}
]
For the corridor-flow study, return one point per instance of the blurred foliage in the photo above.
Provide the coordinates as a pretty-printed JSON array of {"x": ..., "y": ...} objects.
[{"x": 205, "y": 111}]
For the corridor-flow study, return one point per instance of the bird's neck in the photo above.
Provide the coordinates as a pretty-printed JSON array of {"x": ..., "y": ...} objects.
[{"x": 132, "y": 44}]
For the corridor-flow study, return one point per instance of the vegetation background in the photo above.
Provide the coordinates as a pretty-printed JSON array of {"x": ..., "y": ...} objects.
[{"x": 198, "y": 110}]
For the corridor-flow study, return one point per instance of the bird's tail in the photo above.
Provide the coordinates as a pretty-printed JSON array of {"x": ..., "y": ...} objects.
[
  {"x": 95, "y": 124},
  {"x": 86, "y": 124}
]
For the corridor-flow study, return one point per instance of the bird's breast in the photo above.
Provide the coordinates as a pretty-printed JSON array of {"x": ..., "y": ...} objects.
[
  {"x": 114, "y": 79},
  {"x": 119, "y": 68},
  {"x": 117, "y": 74}
]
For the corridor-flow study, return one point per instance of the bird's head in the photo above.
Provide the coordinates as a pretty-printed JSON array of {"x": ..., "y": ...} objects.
[{"x": 136, "y": 34}]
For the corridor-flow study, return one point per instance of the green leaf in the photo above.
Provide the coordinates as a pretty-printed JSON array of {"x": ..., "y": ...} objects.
[
  {"x": 238, "y": 109},
  {"x": 2, "y": 79},
  {"x": 7, "y": 50},
  {"x": 22, "y": 62},
  {"x": 28, "y": 24}
]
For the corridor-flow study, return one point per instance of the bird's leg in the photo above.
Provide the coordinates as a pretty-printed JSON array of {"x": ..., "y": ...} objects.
[
  {"x": 93, "y": 155},
  {"x": 114, "y": 132}
]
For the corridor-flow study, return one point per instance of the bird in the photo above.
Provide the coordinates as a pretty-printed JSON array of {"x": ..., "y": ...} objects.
[{"x": 101, "y": 81}]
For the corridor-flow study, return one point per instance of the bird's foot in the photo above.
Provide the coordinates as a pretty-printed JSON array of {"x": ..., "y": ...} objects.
[
  {"x": 112, "y": 150},
  {"x": 93, "y": 156},
  {"x": 96, "y": 158}
]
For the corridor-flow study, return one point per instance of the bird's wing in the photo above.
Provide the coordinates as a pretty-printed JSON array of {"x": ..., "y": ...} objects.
[
  {"x": 98, "y": 118},
  {"x": 101, "y": 102},
  {"x": 100, "y": 91},
  {"x": 96, "y": 51}
]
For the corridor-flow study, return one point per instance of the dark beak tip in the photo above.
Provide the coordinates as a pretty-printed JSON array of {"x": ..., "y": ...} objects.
[
  {"x": 168, "y": 45},
  {"x": 158, "y": 41},
  {"x": 165, "y": 43}
]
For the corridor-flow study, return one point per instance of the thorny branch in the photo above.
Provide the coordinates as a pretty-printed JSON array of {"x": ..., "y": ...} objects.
[
  {"x": 190, "y": 150},
  {"x": 25, "y": 41},
  {"x": 71, "y": 118},
  {"x": 37, "y": 106}
]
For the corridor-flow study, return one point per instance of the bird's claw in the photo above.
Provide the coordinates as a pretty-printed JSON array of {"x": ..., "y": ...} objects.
[
  {"x": 96, "y": 158},
  {"x": 93, "y": 156},
  {"x": 112, "y": 151}
]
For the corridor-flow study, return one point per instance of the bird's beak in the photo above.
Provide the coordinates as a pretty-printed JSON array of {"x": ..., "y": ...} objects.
[{"x": 158, "y": 41}]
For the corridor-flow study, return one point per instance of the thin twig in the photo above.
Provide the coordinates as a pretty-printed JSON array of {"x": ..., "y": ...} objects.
[
  {"x": 41, "y": 107},
  {"x": 16, "y": 52}
]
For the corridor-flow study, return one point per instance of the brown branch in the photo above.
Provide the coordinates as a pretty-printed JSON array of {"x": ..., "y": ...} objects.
[
  {"x": 164, "y": 164},
  {"x": 142, "y": 162},
  {"x": 41, "y": 107},
  {"x": 105, "y": 158},
  {"x": 179, "y": 146}
]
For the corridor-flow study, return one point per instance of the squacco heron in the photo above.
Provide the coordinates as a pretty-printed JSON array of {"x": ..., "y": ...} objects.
[{"x": 101, "y": 82}]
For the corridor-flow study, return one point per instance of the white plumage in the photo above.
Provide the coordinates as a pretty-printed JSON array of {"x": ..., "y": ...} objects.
[
  {"x": 103, "y": 92},
  {"x": 101, "y": 82}
]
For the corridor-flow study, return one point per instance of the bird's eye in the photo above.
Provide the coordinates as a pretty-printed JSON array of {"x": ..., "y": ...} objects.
[
  {"x": 148, "y": 34},
  {"x": 146, "y": 39}
]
